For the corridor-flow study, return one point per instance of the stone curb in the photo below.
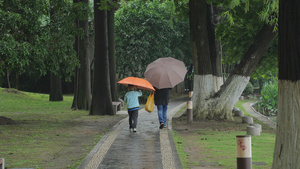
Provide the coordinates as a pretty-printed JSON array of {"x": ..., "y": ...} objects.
[{"x": 94, "y": 158}]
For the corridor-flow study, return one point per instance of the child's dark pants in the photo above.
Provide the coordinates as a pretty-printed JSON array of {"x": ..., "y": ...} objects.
[{"x": 133, "y": 118}]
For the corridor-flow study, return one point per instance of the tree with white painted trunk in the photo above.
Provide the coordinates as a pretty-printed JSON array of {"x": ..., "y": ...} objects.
[
  {"x": 287, "y": 148},
  {"x": 209, "y": 104}
]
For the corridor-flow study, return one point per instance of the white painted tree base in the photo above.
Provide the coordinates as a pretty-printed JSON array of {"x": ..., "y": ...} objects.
[
  {"x": 208, "y": 107},
  {"x": 287, "y": 145}
]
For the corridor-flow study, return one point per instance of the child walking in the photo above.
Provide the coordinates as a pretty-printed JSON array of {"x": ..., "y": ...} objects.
[{"x": 132, "y": 100}]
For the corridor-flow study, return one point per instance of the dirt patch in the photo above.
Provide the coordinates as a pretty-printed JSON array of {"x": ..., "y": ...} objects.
[
  {"x": 6, "y": 121},
  {"x": 12, "y": 91}
]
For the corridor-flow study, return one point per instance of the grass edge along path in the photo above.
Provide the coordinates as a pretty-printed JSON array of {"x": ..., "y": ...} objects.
[{"x": 219, "y": 145}]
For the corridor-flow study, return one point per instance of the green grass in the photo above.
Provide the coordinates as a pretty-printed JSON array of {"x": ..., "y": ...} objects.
[
  {"x": 220, "y": 146},
  {"x": 43, "y": 128}
]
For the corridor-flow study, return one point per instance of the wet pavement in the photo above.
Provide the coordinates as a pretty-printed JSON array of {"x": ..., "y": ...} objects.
[{"x": 149, "y": 147}]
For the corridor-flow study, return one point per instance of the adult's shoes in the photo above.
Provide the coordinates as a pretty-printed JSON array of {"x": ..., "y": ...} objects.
[{"x": 161, "y": 126}]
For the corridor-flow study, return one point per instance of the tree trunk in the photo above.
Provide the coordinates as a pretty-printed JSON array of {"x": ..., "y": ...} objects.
[
  {"x": 17, "y": 81},
  {"x": 111, "y": 53},
  {"x": 84, "y": 84},
  {"x": 55, "y": 88},
  {"x": 101, "y": 99},
  {"x": 286, "y": 152},
  {"x": 219, "y": 105},
  {"x": 213, "y": 48},
  {"x": 76, "y": 48},
  {"x": 203, "y": 79},
  {"x": 7, "y": 78},
  {"x": 55, "y": 81}
]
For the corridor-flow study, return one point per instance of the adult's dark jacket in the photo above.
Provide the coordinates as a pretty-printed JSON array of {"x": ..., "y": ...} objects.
[{"x": 161, "y": 96}]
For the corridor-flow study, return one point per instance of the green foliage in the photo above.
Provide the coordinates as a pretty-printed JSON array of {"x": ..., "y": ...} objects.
[
  {"x": 37, "y": 36},
  {"x": 240, "y": 23},
  {"x": 20, "y": 34},
  {"x": 146, "y": 31},
  {"x": 248, "y": 89},
  {"x": 268, "y": 101},
  {"x": 270, "y": 12},
  {"x": 237, "y": 30}
]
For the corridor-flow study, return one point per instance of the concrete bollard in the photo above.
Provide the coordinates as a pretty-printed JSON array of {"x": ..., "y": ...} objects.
[
  {"x": 248, "y": 120},
  {"x": 190, "y": 108},
  {"x": 257, "y": 126},
  {"x": 244, "y": 152},
  {"x": 253, "y": 131},
  {"x": 239, "y": 113},
  {"x": 235, "y": 109}
]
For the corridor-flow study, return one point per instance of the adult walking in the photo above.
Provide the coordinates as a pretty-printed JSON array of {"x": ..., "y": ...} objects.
[
  {"x": 164, "y": 74},
  {"x": 161, "y": 100}
]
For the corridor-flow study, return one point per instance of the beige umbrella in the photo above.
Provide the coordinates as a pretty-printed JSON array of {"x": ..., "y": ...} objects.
[{"x": 165, "y": 72}]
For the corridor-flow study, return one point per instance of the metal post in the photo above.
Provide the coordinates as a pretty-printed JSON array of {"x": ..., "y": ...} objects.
[
  {"x": 190, "y": 108},
  {"x": 244, "y": 152}
]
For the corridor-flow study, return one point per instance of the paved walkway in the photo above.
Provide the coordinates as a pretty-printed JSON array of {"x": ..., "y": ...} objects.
[
  {"x": 149, "y": 147},
  {"x": 264, "y": 119}
]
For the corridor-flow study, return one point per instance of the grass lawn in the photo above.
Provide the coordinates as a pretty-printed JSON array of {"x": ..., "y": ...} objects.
[
  {"x": 212, "y": 141},
  {"x": 44, "y": 131}
]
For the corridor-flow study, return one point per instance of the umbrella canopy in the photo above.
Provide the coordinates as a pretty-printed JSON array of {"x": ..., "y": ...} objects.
[
  {"x": 138, "y": 82},
  {"x": 165, "y": 72}
]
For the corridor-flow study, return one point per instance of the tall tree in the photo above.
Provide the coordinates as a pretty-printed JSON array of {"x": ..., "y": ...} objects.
[
  {"x": 286, "y": 153},
  {"x": 211, "y": 105},
  {"x": 111, "y": 51},
  {"x": 82, "y": 97},
  {"x": 76, "y": 48},
  {"x": 101, "y": 97},
  {"x": 61, "y": 57},
  {"x": 56, "y": 93}
]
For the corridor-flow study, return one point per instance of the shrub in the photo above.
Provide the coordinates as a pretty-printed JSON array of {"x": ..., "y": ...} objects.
[
  {"x": 248, "y": 89},
  {"x": 267, "y": 103}
]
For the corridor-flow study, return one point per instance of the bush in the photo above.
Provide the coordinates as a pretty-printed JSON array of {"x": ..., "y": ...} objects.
[
  {"x": 248, "y": 89},
  {"x": 267, "y": 103}
]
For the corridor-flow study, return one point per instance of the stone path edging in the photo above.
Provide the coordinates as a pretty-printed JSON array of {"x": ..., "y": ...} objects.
[
  {"x": 95, "y": 157},
  {"x": 170, "y": 157}
]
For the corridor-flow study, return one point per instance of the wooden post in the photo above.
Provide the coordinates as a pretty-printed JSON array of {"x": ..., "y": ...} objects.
[
  {"x": 244, "y": 152},
  {"x": 190, "y": 108}
]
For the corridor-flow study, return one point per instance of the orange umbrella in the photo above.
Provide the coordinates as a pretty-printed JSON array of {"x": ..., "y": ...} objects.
[{"x": 138, "y": 82}]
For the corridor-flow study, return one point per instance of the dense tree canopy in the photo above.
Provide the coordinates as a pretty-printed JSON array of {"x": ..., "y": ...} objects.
[
  {"x": 146, "y": 31},
  {"x": 22, "y": 39},
  {"x": 37, "y": 37}
]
